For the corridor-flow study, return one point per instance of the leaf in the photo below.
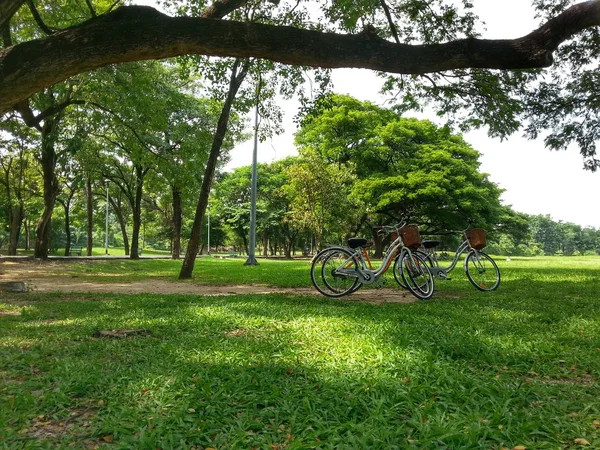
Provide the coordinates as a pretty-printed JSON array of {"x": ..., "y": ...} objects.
[
  {"x": 596, "y": 424},
  {"x": 520, "y": 447},
  {"x": 191, "y": 410},
  {"x": 582, "y": 441},
  {"x": 108, "y": 438}
]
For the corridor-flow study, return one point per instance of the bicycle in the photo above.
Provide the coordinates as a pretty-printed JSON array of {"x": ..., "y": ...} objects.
[
  {"x": 481, "y": 270},
  {"x": 338, "y": 271}
]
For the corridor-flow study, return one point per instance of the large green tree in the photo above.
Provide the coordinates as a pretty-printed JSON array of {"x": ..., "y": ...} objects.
[{"x": 403, "y": 166}]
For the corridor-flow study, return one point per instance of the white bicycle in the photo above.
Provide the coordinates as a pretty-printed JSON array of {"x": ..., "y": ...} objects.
[{"x": 339, "y": 271}]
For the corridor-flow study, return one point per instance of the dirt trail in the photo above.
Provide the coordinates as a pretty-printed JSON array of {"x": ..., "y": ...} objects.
[{"x": 35, "y": 275}]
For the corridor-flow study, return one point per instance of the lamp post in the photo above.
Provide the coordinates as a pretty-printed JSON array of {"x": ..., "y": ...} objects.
[
  {"x": 251, "y": 261},
  {"x": 106, "y": 230}
]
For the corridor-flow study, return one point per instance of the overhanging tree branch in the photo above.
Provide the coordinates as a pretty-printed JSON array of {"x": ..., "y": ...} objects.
[{"x": 139, "y": 33}]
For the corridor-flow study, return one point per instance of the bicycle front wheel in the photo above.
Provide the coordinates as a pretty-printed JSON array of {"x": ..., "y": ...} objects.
[
  {"x": 482, "y": 271},
  {"x": 416, "y": 275},
  {"x": 334, "y": 272},
  {"x": 398, "y": 272}
]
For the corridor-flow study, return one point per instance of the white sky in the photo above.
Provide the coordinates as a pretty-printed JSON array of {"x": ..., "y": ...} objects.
[{"x": 536, "y": 180}]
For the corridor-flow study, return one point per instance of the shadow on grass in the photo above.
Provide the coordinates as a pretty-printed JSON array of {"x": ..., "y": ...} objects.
[{"x": 299, "y": 372}]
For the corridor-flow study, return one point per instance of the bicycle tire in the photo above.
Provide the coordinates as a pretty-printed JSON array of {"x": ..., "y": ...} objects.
[
  {"x": 482, "y": 271},
  {"x": 396, "y": 269},
  {"x": 416, "y": 275},
  {"x": 323, "y": 272}
]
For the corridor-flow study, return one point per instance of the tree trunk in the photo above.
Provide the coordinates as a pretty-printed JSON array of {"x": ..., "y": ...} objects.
[
  {"x": 27, "y": 233},
  {"x": 265, "y": 244},
  {"x": 66, "y": 206},
  {"x": 118, "y": 209},
  {"x": 15, "y": 219},
  {"x": 48, "y": 162},
  {"x": 137, "y": 213},
  {"x": 378, "y": 245},
  {"x": 90, "y": 217},
  {"x": 215, "y": 151},
  {"x": 177, "y": 219}
]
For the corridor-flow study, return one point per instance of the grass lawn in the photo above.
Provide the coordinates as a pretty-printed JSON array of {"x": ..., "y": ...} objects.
[{"x": 466, "y": 370}]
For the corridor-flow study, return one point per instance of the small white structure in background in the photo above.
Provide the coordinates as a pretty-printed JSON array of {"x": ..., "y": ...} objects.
[{"x": 508, "y": 258}]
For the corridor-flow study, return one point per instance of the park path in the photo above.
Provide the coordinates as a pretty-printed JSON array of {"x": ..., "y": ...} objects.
[{"x": 32, "y": 274}]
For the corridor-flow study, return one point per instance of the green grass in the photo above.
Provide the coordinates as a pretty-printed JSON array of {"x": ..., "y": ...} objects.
[{"x": 467, "y": 370}]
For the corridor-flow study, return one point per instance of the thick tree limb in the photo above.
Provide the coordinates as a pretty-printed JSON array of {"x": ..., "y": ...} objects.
[
  {"x": 138, "y": 33},
  {"x": 8, "y": 8}
]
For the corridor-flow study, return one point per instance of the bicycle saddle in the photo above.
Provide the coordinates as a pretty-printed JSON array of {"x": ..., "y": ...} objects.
[
  {"x": 430, "y": 243},
  {"x": 357, "y": 242}
]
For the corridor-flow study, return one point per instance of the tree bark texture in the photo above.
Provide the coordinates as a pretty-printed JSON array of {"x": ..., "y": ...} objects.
[
  {"x": 50, "y": 190},
  {"x": 16, "y": 213},
  {"x": 134, "y": 33},
  {"x": 209, "y": 172},
  {"x": 67, "y": 207},
  {"x": 90, "y": 216},
  {"x": 8, "y": 8},
  {"x": 118, "y": 209},
  {"x": 137, "y": 213}
]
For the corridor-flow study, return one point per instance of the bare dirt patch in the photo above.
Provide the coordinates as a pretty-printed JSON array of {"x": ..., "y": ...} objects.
[{"x": 34, "y": 274}]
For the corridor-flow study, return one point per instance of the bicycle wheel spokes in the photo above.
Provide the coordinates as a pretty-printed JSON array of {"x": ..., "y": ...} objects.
[
  {"x": 416, "y": 275},
  {"x": 482, "y": 271},
  {"x": 333, "y": 272}
]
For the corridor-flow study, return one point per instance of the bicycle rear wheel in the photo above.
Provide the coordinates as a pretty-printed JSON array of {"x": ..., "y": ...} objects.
[
  {"x": 416, "y": 274},
  {"x": 334, "y": 272},
  {"x": 482, "y": 271}
]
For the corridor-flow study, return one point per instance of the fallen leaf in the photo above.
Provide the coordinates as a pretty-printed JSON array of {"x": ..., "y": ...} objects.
[
  {"x": 596, "y": 424},
  {"x": 108, "y": 438},
  {"x": 191, "y": 410},
  {"x": 288, "y": 436},
  {"x": 289, "y": 371},
  {"x": 520, "y": 447},
  {"x": 573, "y": 414},
  {"x": 582, "y": 441}
]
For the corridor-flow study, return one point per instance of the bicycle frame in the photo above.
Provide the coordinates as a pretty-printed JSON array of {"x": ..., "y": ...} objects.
[
  {"x": 441, "y": 273},
  {"x": 369, "y": 275}
]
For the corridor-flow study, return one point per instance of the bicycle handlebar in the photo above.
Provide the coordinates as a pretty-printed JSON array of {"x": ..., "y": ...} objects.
[{"x": 387, "y": 229}]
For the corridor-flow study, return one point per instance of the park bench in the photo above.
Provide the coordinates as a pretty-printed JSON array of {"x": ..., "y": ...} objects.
[{"x": 76, "y": 250}]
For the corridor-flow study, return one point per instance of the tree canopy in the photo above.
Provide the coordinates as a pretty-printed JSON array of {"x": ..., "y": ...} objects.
[{"x": 133, "y": 33}]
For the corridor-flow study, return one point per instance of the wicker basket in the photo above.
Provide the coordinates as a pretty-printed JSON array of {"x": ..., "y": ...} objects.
[
  {"x": 410, "y": 236},
  {"x": 476, "y": 238}
]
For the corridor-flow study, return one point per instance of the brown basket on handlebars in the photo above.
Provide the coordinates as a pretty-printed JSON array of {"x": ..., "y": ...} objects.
[
  {"x": 476, "y": 238},
  {"x": 411, "y": 237}
]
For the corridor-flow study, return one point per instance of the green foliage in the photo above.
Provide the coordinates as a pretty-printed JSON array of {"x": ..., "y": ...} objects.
[{"x": 402, "y": 166}]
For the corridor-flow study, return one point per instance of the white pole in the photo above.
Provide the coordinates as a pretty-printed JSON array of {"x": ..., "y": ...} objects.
[{"x": 251, "y": 261}]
